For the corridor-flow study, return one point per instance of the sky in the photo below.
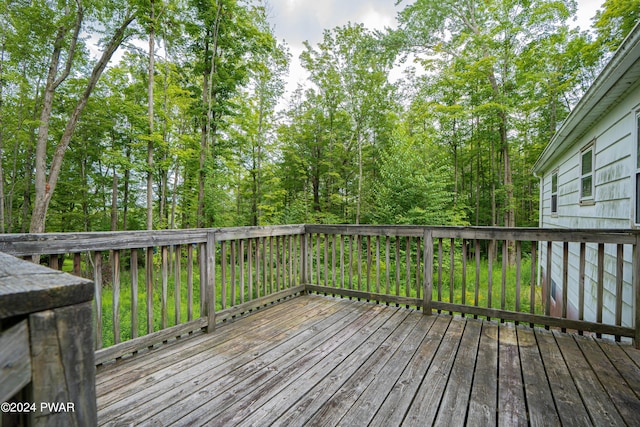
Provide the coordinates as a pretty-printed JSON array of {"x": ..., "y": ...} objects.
[{"x": 295, "y": 21}]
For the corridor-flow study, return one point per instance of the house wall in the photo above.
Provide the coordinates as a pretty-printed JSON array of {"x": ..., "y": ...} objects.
[{"x": 614, "y": 207}]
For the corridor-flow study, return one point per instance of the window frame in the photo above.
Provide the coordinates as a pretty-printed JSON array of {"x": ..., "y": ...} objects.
[
  {"x": 590, "y": 198},
  {"x": 554, "y": 193}
]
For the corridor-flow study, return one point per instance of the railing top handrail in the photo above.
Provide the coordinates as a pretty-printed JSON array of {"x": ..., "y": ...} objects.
[
  {"x": 55, "y": 243},
  {"x": 586, "y": 235},
  {"x": 26, "y": 288}
]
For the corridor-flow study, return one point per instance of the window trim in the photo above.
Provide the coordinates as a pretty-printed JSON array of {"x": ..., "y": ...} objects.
[
  {"x": 554, "y": 193},
  {"x": 590, "y": 199}
]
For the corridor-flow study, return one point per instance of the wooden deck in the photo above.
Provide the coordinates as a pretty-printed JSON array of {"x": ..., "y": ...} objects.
[{"x": 318, "y": 360}]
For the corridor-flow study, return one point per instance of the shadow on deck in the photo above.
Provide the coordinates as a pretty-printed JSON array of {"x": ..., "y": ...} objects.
[{"x": 322, "y": 360}]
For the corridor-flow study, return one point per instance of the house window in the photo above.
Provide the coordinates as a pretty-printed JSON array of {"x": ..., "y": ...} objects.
[
  {"x": 586, "y": 174},
  {"x": 554, "y": 192}
]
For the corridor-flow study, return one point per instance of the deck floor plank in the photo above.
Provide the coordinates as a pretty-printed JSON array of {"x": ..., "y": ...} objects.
[
  {"x": 321, "y": 360},
  {"x": 225, "y": 370},
  {"x": 162, "y": 357},
  {"x": 427, "y": 399},
  {"x": 315, "y": 359},
  {"x": 601, "y": 409},
  {"x": 623, "y": 364},
  {"x": 540, "y": 406},
  {"x": 453, "y": 408},
  {"x": 483, "y": 403},
  {"x": 344, "y": 395},
  {"x": 365, "y": 408},
  {"x": 512, "y": 409},
  {"x": 394, "y": 408},
  {"x": 623, "y": 397},
  {"x": 567, "y": 399},
  {"x": 226, "y": 390},
  {"x": 144, "y": 365},
  {"x": 302, "y": 398}
]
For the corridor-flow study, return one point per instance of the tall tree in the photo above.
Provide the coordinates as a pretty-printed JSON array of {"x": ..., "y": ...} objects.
[{"x": 67, "y": 24}]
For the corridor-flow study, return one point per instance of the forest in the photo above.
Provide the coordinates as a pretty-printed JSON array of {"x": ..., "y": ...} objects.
[{"x": 162, "y": 114}]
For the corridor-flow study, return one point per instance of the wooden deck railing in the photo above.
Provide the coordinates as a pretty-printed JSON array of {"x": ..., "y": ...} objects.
[
  {"x": 154, "y": 286},
  {"x": 47, "y": 367},
  {"x": 584, "y": 280}
]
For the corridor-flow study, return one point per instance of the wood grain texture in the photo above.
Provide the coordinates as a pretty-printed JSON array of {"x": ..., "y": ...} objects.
[
  {"x": 63, "y": 366},
  {"x": 317, "y": 360},
  {"x": 15, "y": 360},
  {"x": 26, "y": 288}
]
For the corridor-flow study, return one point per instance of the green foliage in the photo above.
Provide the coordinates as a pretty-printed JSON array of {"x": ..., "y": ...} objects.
[{"x": 452, "y": 146}]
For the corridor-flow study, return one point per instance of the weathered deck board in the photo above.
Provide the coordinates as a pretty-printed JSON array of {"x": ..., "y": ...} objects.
[
  {"x": 317, "y": 360},
  {"x": 483, "y": 403}
]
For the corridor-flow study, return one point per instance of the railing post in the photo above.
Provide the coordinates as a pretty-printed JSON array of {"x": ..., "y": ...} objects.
[
  {"x": 428, "y": 271},
  {"x": 636, "y": 288},
  {"x": 46, "y": 345},
  {"x": 210, "y": 296}
]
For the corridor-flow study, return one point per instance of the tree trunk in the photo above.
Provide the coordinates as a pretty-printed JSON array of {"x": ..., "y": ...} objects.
[
  {"x": 114, "y": 201},
  {"x": 150, "y": 114},
  {"x": 44, "y": 188}
]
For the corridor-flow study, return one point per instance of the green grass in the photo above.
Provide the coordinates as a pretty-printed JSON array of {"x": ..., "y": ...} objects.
[{"x": 365, "y": 282}]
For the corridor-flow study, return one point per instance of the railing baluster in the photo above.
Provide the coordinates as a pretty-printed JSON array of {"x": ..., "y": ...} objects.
[
  {"x": 636, "y": 287},
  {"x": 232, "y": 273},
  {"x": 202, "y": 259},
  {"x": 565, "y": 280},
  {"x": 492, "y": 249},
  {"x": 452, "y": 246},
  {"x": 388, "y": 263},
  {"x": 342, "y": 261},
  {"x": 241, "y": 267},
  {"x": 359, "y": 255},
  {"x": 464, "y": 272},
  {"x": 134, "y": 292},
  {"x": 397, "y": 265},
  {"x": 378, "y": 264},
  {"x": 189, "y": 283},
  {"x": 149, "y": 287},
  {"x": 518, "y": 274},
  {"x": 223, "y": 274},
  {"x": 97, "y": 280},
  {"x": 505, "y": 263},
  {"x": 53, "y": 262},
  {"x": 250, "y": 295},
  {"x": 439, "y": 268},
  {"x": 77, "y": 264},
  {"x": 407, "y": 261},
  {"x": 476, "y": 290},
  {"x": 419, "y": 270},
  {"x": 350, "y": 241},
  {"x": 333, "y": 260},
  {"x": 177, "y": 282},
  {"x": 581, "y": 268},
  {"x": 548, "y": 282},
  {"x": 326, "y": 259},
  {"x": 116, "y": 296},
  {"x": 533, "y": 281},
  {"x": 165, "y": 285},
  {"x": 600, "y": 291},
  {"x": 318, "y": 264},
  {"x": 428, "y": 272},
  {"x": 278, "y": 264},
  {"x": 369, "y": 261},
  {"x": 619, "y": 282},
  {"x": 258, "y": 275}
]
